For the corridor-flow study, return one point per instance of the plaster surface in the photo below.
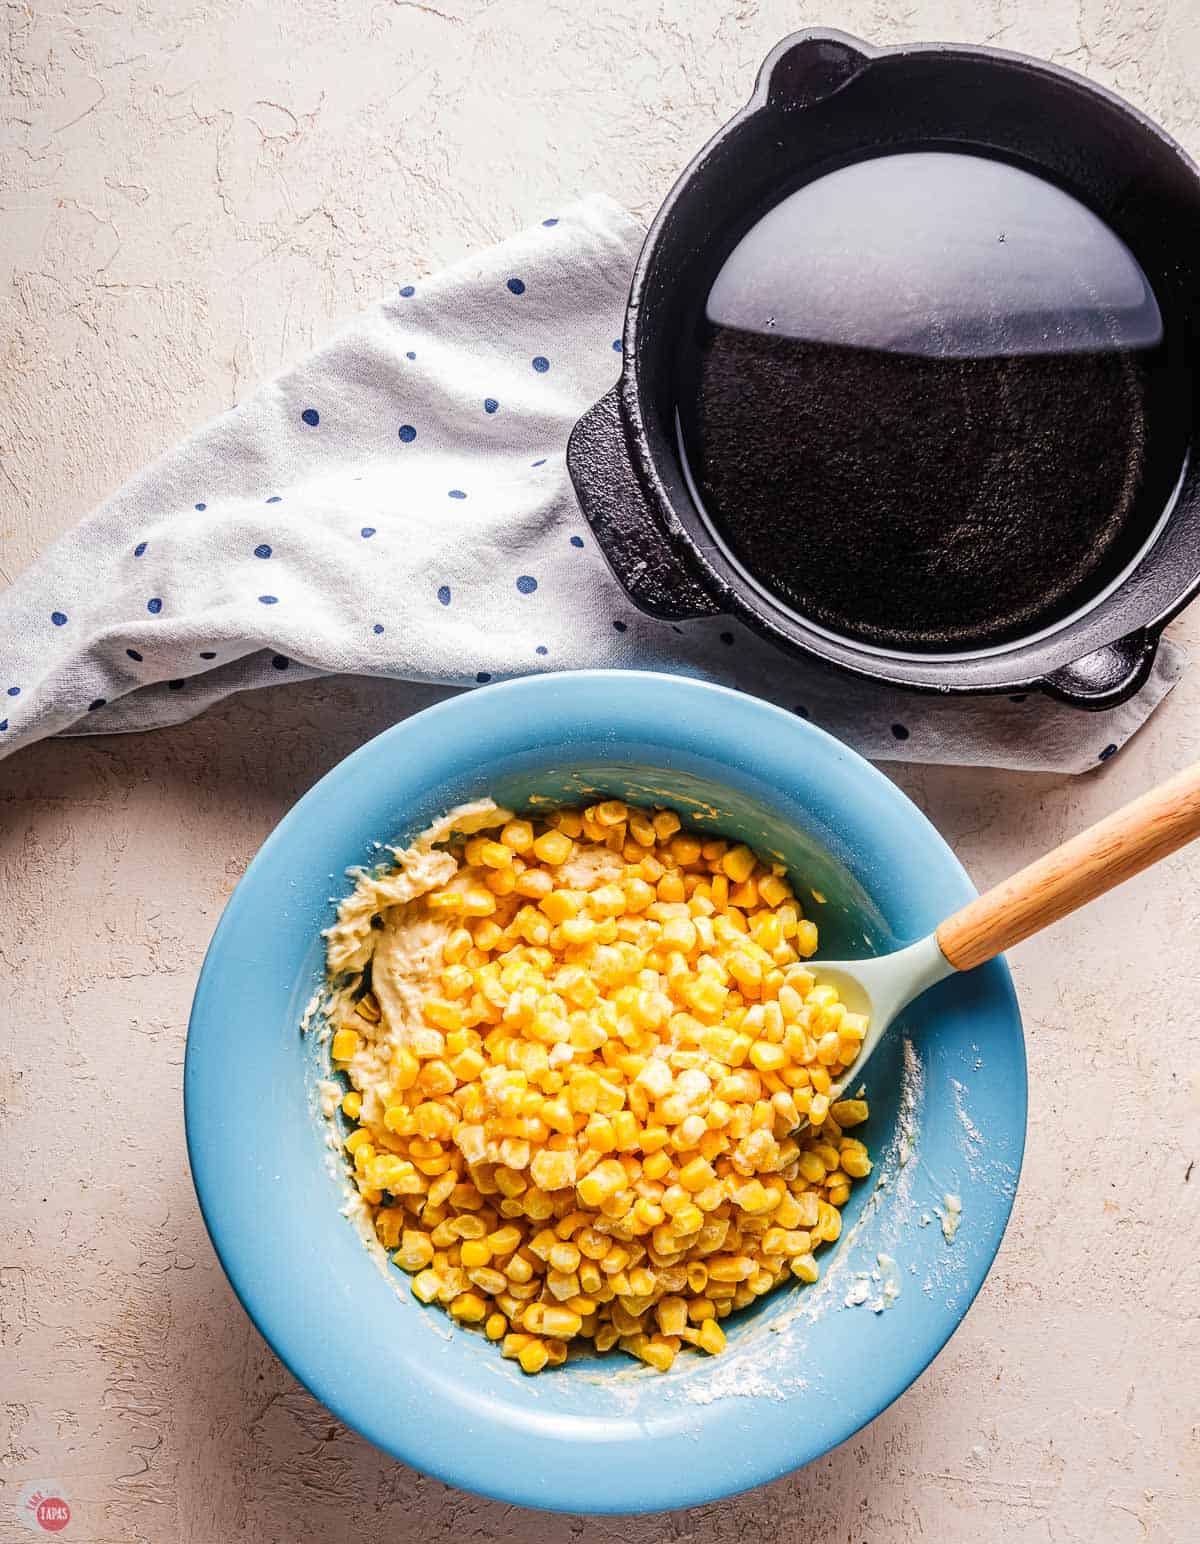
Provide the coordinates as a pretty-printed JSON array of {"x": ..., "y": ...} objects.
[{"x": 190, "y": 196}]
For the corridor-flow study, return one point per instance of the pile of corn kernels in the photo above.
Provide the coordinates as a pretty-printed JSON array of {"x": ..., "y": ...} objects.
[{"x": 592, "y": 1135}]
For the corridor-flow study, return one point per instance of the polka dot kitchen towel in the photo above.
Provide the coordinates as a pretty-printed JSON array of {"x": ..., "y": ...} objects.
[{"x": 398, "y": 504}]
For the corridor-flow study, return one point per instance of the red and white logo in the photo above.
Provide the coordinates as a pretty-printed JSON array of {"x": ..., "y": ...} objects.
[{"x": 43, "y": 1508}]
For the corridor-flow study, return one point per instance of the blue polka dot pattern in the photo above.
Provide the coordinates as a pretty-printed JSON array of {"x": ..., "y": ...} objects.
[
  {"x": 542, "y": 462},
  {"x": 275, "y": 499},
  {"x": 577, "y": 541},
  {"x": 139, "y": 549},
  {"x": 526, "y": 584},
  {"x": 201, "y": 507},
  {"x": 59, "y": 618},
  {"x": 517, "y": 286},
  {"x": 96, "y": 702},
  {"x": 133, "y": 654},
  {"x": 367, "y": 532},
  {"x": 540, "y": 363},
  {"x": 262, "y": 550},
  {"x": 410, "y": 355},
  {"x": 176, "y": 686},
  {"x": 14, "y": 691},
  {"x": 408, "y": 290},
  {"x": 3, "y": 725},
  {"x": 154, "y": 605},
  {"x": 1109, "y": 750},
  {"x": 407, "y": 433},
  {"x": 541, "y": 649},
  {"x": 457, "y": 493},
  {"x": 553, "y": 221},
  {"x": 900, "y": 732},
  {"x": 617, "y": 349},
  {"x": 444, "y": 594},
  {"x": 268, "y": 600},
  {"x": 208, "y": 654},
  {"x": 483, "y": 675},
  {"x": 378, "y": 628},
  {"x": 311, "y": 417},
  {"x": 280, "y": 661},
  {"x": 620, "y": 626},
  {"x": 490, "y": 404}
]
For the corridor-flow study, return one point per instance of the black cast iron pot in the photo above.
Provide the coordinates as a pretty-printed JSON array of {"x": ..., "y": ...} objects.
[{"x": 824, "y": 101}]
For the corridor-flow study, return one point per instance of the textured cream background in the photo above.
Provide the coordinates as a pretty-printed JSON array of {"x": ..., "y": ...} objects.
[{"x": 190, "y": 196}]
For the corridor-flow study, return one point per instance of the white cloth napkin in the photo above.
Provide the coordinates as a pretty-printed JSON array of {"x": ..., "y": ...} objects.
[{"x": 398, "y": 504}]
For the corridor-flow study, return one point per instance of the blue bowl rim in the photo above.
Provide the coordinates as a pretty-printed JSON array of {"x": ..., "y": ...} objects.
[{"x": 305, "y": 1367}]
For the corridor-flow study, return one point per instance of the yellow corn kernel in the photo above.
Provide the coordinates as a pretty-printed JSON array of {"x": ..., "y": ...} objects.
[
  {"x": 850, "y": 1112},
  {"x": 560, "y": 1322},
  {"x": 656, "y": 1352},
  {"x": 805, "y": 1268},
  {"x": 767, "y": 1057},
  {"x": 687, "y": 1220},
  {"x": 563, "y": 1256},
  {"x": 469, "y": 1307},
  {"x": 553, "y": 847},
  {"x": 805, "y": 939},
  {"x": 656, "y": 1165},
  {"x": 553, "y": 1170},
  {"x": 501, "y": 881},
  {"x": 345, "y": 1044},
  {"x": 519, "y": 1270},
  {"x": 533, "y": 1356},
  {"x": 712, "y": 1337},
  {"x": 467, "y": 1065},
  {"x": 352, "y": 1104},
  {"x": 475, "y": 1252},
  {"x": 426, "y": 1285},
  {"x": 738, "y": 864},
  {"x": 487, "y": 934},
  {"x": 496, "y": 1326},
  {"x": 753, "y": 1197},
  {"x": 405, "y": 1068},
  {"x": 415, "y": 1252},
  {"x": 562, "y": 905},
  {"x": 818, "y": 1109},
  {"x": 641, "y": 828},
  {"x": 685, "y": 849},
  {"x": 671, "y": 1313},
  {"x": 611, "y": 813},
  {"x": 517, "y": 835},
  {"x": 456, "y": 946},
  {"x": 604, "y": 1181},
  {"x": 696, "y": 1175}
]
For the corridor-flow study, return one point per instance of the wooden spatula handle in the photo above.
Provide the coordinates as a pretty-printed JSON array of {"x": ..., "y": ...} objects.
[{"x": 1114, "y": 850}]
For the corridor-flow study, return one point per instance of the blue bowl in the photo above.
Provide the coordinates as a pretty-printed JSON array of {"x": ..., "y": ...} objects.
[{"x": 804, "y": 1370}]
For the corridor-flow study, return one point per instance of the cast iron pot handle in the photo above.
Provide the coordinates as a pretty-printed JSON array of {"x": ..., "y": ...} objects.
[
  {"x": 808, "y": 67},
  {"x": 1107, "y": 677},
  {"x": 619, "y": 514}
]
